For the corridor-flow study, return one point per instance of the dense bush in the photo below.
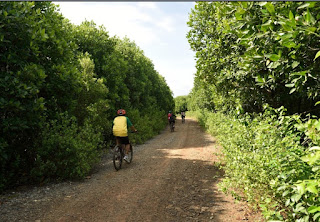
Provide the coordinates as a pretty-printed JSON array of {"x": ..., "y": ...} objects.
[
  {"x": 265, "y": 159},
  {"x": 181, "y": 104},
  {"x": 61, "y": 86},
  {"x": 252, "y": 53},
  {"x": 38, "y": 79},
  {"x": 66, "y": 150}
]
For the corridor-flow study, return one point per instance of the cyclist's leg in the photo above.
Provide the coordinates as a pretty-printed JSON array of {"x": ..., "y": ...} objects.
[
  {"x": 127, "y": 149},
  {"x": 118, "y": 141},
  {"x": 126, "y": 144}
]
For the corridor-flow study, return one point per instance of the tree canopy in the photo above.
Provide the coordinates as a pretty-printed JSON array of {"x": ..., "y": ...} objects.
[
  {"x": 252, "y": 53},
  {"x": 61, "y": 85}
]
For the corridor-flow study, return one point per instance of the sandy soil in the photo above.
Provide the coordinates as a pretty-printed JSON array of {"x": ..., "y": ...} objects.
[{"x": 173, "y": 177}]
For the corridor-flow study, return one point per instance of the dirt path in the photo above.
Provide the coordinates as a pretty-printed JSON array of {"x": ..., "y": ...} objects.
[{"x": 172, "y": 178}]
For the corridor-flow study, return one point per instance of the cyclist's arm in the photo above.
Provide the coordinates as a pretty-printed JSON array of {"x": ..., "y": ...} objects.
[
  {"x": 131, "y": 125},
  {"x": 133, "y": 129}
]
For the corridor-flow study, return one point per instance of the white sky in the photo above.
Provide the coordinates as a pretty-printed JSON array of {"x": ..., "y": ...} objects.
[{"x": 158, "y": 28}]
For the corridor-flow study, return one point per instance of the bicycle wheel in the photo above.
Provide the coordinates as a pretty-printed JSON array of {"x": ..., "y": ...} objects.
[
  {"x": 172, "y": 126},
  {"x": 117, "y": 157},
  {"x": 130, "y": 154}
]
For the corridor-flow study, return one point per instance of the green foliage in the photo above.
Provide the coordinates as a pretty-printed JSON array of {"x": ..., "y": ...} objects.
[
  {"x": 66, "y": 150},
  {"x": 181, "y": 103},
  {"x": 252, "y": 53},
  {"x": 92, "y": 101},
  {"x": 147, "y": 125},
  {"x": 38, "y": 77},
  {"x": 61, "y": 85},
  {"x": 268, "y": 163}
]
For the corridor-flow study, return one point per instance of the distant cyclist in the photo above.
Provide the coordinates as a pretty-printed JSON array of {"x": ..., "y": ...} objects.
[
  {"x": 171, "y": 118},
  {"x": 120, "y": 131},
  {"x": 183, "y": 116}
]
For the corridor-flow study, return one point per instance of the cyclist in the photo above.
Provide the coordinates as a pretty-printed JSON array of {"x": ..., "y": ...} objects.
[
  {"x": 171, "y": 118},
  {"x": 120, "y": 131}
]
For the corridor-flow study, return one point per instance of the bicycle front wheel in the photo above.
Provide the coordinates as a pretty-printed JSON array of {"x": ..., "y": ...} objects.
[{"x": 117, "y": 158}]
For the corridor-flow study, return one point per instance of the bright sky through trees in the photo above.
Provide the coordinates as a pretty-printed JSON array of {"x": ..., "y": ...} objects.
[{"x": 158, "y": 28}]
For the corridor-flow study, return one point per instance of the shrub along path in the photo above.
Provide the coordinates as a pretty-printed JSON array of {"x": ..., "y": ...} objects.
[{"x": 172, "y": 178}]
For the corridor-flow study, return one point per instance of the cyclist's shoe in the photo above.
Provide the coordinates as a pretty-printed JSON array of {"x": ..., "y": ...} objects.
[{"x": 126, "y": 158}]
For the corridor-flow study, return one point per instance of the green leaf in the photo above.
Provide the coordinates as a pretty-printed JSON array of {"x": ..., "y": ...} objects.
[
  {"x": 275, "y": 57},
  {"x": 260, "y": 57},
  {"x": 288, "y": 201},
  {"x": 312, "y": 189},
  {"x": 244, "y": 4},
  {"x": 296, "y": 197},
  {"x": 300, "y": 208},
  {"x": 262, "y": 3},
  {"x": 315, "y": 217},
  {"x": 292, "y": 90},
  {"x": 290, "y": 85},
  {"x": 312, "y": 29},
  {"x": 309, "y": 17},
  {"x": 260, "y": 79},
  {"x": 274, "y": 65},
  {"x": 286, "y": 36},
  {"x": 315, "y": 147},
  {"x": 291, "y": 16},
  {"x": 317, "y": 55},
  {"x": 313, "y": 209},
  {"x": 301, "y": 73},
  {"x": 238, "y": 16},
  {"x": 285, "y": 193},
  {"x": 317, "y": 103},
  {"x": 289, "y": 44},
  {"x": 270, "y": 7},
  {"x": 311, "y": 158},
  {"x": 268, "y": 23},
  {"x": 304, "y": 6},
  {"x": 301, "y": 188},
  {"x": 295, "y": 64}
]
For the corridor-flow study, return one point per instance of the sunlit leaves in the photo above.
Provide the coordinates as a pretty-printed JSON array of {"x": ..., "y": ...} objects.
[
  {"x": 261, "y": 39},
  {"x": 270, "y": 7},
  {"x": 317, "y": 55},
  {"x": 59, "y": 78},
  {"x": 267, "y": 55}
]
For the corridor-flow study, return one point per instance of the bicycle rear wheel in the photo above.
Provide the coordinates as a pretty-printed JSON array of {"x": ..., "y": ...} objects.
[{"x": 117, "y": 157}]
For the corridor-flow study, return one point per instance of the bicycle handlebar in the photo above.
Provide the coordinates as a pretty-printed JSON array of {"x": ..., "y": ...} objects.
[{"x": 134, "y": 131}]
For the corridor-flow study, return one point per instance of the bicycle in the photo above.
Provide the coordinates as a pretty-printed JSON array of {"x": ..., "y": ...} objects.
[
  {"x": 183, "y": 119},
  {"x": 172, "y": 126},
  {"x": 118, "y": 155}
]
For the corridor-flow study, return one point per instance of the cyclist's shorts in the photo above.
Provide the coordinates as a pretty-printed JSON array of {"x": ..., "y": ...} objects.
[{"x": 123, "y": 140}]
